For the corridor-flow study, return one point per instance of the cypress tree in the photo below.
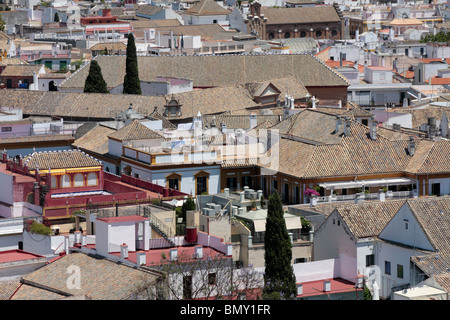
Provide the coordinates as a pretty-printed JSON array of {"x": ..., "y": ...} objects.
[
  {"x": 279, "y": 275},
  {"x": 131, "y": 83},
  {"x": 94, "y": 82}
]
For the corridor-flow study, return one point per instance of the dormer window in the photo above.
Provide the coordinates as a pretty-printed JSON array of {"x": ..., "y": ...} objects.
[{"x": 172, "y": 109}]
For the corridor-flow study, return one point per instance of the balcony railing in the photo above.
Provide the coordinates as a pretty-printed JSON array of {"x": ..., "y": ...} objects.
[{"x": 368, "y": 196}]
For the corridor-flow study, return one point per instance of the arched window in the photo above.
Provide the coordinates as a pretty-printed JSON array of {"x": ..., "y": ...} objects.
[
  {"x": 302, "y": 34},
  {"x": 287, "y": 35},
  {"x": 54, "y": 182},
  {"x": 271, "y": 35},
  {"x": 65, "y": 181},
  {"x": 318, "y": 33},
  {"x": 92, "y": 179},
  {"x": 78, "y": 180}
]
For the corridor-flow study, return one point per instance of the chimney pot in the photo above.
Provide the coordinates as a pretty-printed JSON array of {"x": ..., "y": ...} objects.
[{"x": 327, "y": 286}]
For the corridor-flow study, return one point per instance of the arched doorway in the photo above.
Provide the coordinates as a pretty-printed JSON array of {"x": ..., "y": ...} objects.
[{"x": 52, "y": 86}]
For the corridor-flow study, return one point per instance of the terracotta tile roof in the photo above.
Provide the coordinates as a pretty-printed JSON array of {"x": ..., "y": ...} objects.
[
  {"x": 102, "y": 279},
  {"x": 25, "y": 70},
  {"x": 434, "y": 218},
  {"x": 309, "y": 139},
  {"x": 300, "y": 15},
  {"x": 215, "y": 71},
  {"x": 206, "y": 7},
  {"x": 148, "y": 9},
  {"x": 59, "y": 160},
  {"x": 403, "y": 22},
  {"x": 95, "y": 140},
  {"x": 235, "y": 121},
  {"x": 135, "y": 131},
  {"x": 368, "y": 219},
  {"x": 444, "y": 281},
  {"x": 439, "y": 81},
  {"x": 7, "y": 288}
]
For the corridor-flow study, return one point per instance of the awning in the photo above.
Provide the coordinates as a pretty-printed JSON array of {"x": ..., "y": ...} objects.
[
  {"x": 366, "y": 183},
  {"x": 259, "y": 225},
  {"x": 293, "y": 223}
]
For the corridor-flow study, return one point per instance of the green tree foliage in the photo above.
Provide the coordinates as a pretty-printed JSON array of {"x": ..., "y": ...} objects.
[
  {"x": 189, "y": 204},
  {"x": 94, "y": 82},
  {"x": 279, "y": 276},
  {"x": 441, "y": 36},
  {"x": 131, "y": 83}
]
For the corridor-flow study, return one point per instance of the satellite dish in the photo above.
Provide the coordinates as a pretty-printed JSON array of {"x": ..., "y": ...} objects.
[{"x": 174, "y": 202}]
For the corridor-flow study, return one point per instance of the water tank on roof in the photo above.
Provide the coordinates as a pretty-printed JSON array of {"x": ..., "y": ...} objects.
[{"x": 191, "y": 234}]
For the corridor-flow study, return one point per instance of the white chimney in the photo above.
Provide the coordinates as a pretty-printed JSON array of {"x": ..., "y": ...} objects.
[
  {"x": 83, "y": 240},
  {"x": 242, "y": 196},
  {"x": 313, "y": 99},
  {"x": 411, "y": 146},
  {"x": 66, "y": 244},
  {"x": 373, "y": 128},
  {"x": 253, "y": 120},
  {"x": 327, "y": 286},
  {"x": 227, "y": 192},
  {"x": 444, "y": 125},
  {"x": 141, "y": 258},
  {"x": 77, "y": 235},
  {"x": 347, "y": 124},
  {"x": 381, "y": 195},
  {"x": 124, "y": 251},
  {"x": 292, "y": 102},
  {"x": 338, "y": 123}
]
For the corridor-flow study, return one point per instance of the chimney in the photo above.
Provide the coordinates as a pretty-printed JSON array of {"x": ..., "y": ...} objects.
[
  {"x": 227, "y": 192},
  {"x": 411, "y": 146},
  {"x": 224, "y": 127},
  {"x": 338, "y": 123},
  {"x": 313, "y": 99},
  {"x": 381, "y": 195},
  {"x": 253, "y": 120},
  {"x": 444, "y": 125},
  {"x": 373, "y": 128},
  {"x": 141, "y": 258},
  {"x": 124, "y": 251},
  {"x": 431, "y": 127},
  {"x": 66, "y": 244},
  {"x": 242, "y": 196},
  {"x": 347, "y": 124},
  {"x": 359, "y": 198},
  {"x": 77, "y": 235},
  {"x": 327, "y": 285}
]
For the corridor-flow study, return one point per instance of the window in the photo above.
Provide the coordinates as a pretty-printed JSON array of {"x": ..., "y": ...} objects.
[
  {"x": 318, "y": 33},
  {"x": 287, "y": 35},
  {"x": 275, "y": 185},
  {"x": 302, "y": 34},
  {"x": 78, "y": 180},
  {"x": 173, "y": 184},
  {"x": 435, "y": 189},
  {"x": 187, "y": 287},
  {"x": 6, "y": 129},
  {"x": 246, "y": 182},
  {"x": 387, "y": 267},
  {"x": 370, "y": 260},
  {"x": 65, "y": 181},
  {"x": 212, "y": 278},
  {"x": 232, "y": 183},
  {"x": 92, "y": 179},
  {"x": 202, "y": 185},
  {"x": 53, "y": 182},
  {"x": 201, "y": 182},
  {"x": 271, "y": 35},
  {"x": 400, "y": 271}
]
